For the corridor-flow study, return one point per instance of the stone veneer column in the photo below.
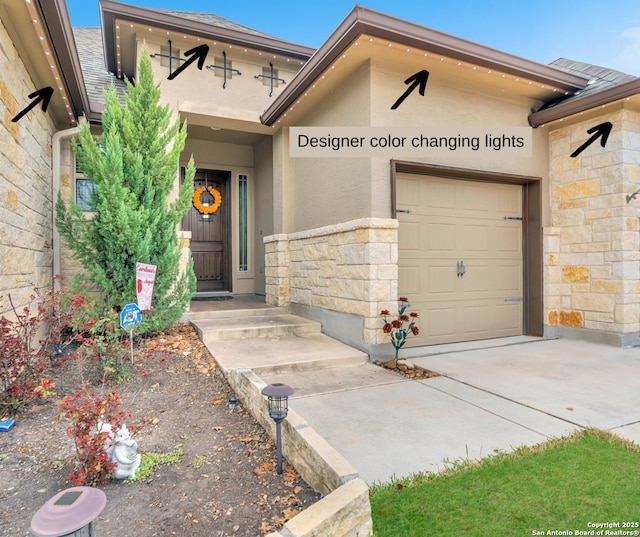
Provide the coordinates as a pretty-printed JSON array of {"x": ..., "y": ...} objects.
[
  {"x": 591, "y": 252},
  {"x": 277, "y": 271},
  {"x": 349, "y": 268}
]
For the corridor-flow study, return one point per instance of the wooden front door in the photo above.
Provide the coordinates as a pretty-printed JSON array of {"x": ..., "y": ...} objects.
[{"x": 210, "y": 233}]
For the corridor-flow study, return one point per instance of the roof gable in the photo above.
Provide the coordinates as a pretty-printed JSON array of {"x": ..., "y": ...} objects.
[
  {"x": 372, "y": 25},
  {"x": 117, "y": 37}
]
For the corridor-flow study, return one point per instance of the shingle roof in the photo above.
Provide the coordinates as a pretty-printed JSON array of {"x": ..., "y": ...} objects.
[
  {"x": 210, "y": 18},
  {"x": 601, "y": 78},
  {"x": 602, "y": 81},
  {"x": 96, "y": 77}
]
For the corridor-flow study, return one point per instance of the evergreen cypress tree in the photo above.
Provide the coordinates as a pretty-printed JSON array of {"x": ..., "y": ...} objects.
[{"x": 133, "y": 165}]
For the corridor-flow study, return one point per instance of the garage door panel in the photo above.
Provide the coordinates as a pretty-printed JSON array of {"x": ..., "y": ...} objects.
[
  {"x": 508, "y": 239},
  {"x": 441, "y": 323},
  {"x": 508, "y": 318},
  {"x": 438, "y": 194},
  {"x": 441, "y": 237},
  {"x": 477, "y": 321},
  {"x": 477, "y": 279},
  {"x": 460, "y": 221},
  {"x": 508, "y": 201},
  {"x": 476, "y": 237},
  {"x": 410, "y": 278},
  {"x": 509, "y": 280},
  {"x": 408, "y": 192},
  {"x": 440, "y": 280},
  {"x": 476, "y": 198},
  {"x": 409, "y": 236}
]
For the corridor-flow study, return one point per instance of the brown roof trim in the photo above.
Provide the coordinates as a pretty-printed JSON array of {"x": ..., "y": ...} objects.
[
  {"x": 364, "y": 21},
  {"x": 582, "y": 103},
  {"x": 61, "y": 36},
  {"x": 111, "y": 10},
  {"x": 467, "y": 174}
]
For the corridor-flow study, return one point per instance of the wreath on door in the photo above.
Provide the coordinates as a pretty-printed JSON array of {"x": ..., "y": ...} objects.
[{"x": 207, "y": 209}]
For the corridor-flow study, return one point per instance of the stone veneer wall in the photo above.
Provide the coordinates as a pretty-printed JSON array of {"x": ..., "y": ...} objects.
[
  {"x": 349, "y": 268},
  {"x": 591, "y": 252},
  {"x": 26, "y": 258}
]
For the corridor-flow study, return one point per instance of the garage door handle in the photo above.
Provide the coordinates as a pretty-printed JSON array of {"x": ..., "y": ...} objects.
[
  {"x": 461, "y": 269},
  {"x": 408, "y": 211}
]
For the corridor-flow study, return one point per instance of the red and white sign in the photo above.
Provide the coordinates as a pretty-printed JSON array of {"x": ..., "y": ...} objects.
[{"x": 145, "y": 278}]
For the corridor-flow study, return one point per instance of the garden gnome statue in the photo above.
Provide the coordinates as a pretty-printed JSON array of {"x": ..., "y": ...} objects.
[{"x": 121, "y": 450}]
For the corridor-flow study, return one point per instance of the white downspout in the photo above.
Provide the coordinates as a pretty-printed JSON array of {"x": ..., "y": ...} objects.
[{"x": 56, "y": 143}]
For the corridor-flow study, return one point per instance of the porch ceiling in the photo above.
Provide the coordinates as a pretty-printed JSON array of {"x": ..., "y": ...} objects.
[
  {"x": 202, "y": 126},
  {"x": 226, "y": 136}
]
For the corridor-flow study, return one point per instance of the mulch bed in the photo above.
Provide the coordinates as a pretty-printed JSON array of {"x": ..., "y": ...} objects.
[{"x": 225, "y": 485}]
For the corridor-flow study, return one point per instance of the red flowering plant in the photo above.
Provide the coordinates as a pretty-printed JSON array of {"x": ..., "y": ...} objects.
[
  {"x": 82, "y": 411},
  {"x": 397, "y": 326}
]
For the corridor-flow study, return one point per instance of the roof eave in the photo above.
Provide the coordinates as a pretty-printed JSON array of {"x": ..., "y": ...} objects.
[
  {"x": 111, "y": 10},
  {"x": 364, "y": 21},
  {"x": 587, "y": 102},
  {"x": 61, "y": 37}
]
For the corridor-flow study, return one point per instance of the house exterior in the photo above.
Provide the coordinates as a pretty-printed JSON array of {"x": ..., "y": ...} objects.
[
  {"x": 31, "y": 148},
  {"x": 484, "y": 243}
]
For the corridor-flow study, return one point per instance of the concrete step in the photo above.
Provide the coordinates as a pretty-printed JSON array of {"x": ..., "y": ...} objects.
[
  {"x": 333, "y": 379},
  {"x": 273, "y": 355},
  {"x": 235, "y": 314},
  {"x": 251, "y": 326}
]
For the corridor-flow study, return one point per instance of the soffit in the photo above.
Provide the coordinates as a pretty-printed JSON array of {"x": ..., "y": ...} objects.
[
  {"x": 363, "y": 23},
  {"x": 123, "y": 23},
  {"x": 443, "y": 70},
  {"x": 44, "y": 46}
]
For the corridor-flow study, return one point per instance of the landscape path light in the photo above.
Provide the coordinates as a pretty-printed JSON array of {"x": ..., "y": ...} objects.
[{"x": 278, "y": 398}]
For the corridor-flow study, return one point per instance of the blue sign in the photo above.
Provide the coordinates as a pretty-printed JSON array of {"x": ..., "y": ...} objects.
[{"x": 130, "y": 316}]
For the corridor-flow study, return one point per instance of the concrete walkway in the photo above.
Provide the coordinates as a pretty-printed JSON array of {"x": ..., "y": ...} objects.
[{"x": 487, "y": 399}]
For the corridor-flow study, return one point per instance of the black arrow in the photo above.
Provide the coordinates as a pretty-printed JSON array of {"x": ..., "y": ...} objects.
[
  {"x": 419, "y": 79},
  {"x": 599, "y": 130},
  {"x": 197, "y": 53},
  {"x": 43, "y": 95}
]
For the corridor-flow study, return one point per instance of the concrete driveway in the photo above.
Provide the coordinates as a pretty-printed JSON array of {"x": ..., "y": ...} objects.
[{"x": 487, "y": 399}]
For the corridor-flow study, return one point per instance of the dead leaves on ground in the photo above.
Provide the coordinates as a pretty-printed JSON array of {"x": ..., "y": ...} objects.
[
  {"x": 290, "y": 508},
  {"x": 264, "y": 467}
]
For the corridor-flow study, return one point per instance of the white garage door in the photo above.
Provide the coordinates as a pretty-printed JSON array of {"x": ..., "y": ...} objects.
[{"x": 460, "y": 257}]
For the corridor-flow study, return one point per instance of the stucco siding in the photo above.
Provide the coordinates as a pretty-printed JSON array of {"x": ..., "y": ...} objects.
[
  {"x": 263, "y": 208},
  {"x": 244, "y": 98},
  {"x": 328, "y": 191},
  {"x": 69, "y": 265},
  {"x": 445, "y": 106}
]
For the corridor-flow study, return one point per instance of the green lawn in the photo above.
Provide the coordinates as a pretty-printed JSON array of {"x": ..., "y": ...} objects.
[{"x": 560, "y": 486}]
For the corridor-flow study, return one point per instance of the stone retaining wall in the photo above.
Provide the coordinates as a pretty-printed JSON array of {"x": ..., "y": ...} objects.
[
  {"x": 344, "y": 511},
  {"x": 349, "y": 268}
]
